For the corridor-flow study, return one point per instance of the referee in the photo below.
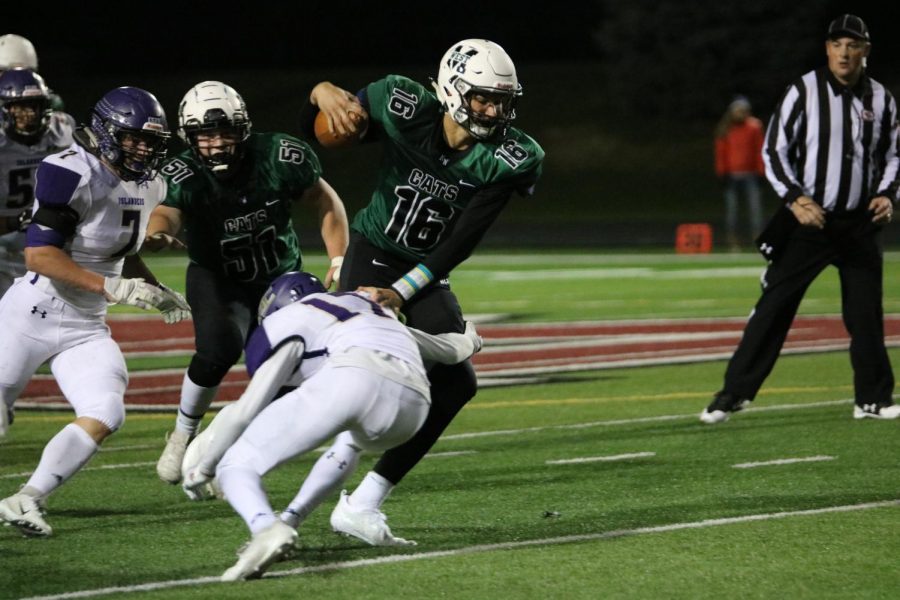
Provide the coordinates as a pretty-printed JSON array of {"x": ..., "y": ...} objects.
[{"x": 831, "y": 155}]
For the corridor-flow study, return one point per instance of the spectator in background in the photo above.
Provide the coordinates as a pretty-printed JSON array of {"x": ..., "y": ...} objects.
[{"x": 739, "y": 165}]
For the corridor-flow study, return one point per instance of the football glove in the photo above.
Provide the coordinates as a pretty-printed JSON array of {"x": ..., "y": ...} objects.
[
  {"x": 173, "y": 306},
  {"x": 199, "y": 486},
  {"x": 134, "y": 292}
]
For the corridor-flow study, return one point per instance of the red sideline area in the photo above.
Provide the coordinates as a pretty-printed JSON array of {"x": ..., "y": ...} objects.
[{"x": 513, "y": 353}]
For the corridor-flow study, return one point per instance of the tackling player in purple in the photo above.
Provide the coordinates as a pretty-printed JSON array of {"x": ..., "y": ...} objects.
[{"x": 357, "y": 369}]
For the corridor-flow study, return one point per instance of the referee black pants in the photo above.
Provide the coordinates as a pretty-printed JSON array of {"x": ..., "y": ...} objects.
[
  {"x": 853, "y": 245},
  {"x": 435, "y": 309}
]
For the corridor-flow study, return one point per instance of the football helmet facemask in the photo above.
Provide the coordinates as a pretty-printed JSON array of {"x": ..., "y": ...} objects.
[
  {"x": 480, "y": 70},
  {"x": 131, "y": 133},
  {"x": 287, "y": 289},
  {"x": 217, "y": 114},
  {"x": 24, "y": 105}
]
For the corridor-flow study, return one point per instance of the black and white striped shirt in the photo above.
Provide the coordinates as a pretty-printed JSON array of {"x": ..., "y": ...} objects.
[{"x": 836, "y": 144}]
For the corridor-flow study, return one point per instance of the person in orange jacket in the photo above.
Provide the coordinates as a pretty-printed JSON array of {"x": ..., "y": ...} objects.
[{"x": 739, "y": 165}]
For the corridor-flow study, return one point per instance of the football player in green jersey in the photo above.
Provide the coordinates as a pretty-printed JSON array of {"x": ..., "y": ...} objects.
[
  {"x": 232, "y": 192},
  {"x": 452, "y": 160}
]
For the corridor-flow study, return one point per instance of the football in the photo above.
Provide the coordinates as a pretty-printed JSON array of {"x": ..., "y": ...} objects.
[{"x": 331, "y": 140}]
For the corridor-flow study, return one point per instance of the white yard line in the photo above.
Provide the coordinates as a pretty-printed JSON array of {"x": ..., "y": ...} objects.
[
  {"x": 782, "y": 461},
  {"x": 656, "y": 419},
  {"x": 589, "y": 459},
  {"x": 446, "y": 454},
  {"x": 483, "y": 548},
  {"x": 100, "y": 468}
]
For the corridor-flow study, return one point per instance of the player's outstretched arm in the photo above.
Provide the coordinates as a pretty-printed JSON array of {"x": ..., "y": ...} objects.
[
  {"x": 332, "y": 224},
  {"x": 448, "y": 348},
  {"x": 164, "y": 225}
]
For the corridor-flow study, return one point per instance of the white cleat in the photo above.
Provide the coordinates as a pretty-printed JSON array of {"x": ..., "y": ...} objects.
[
  {"x": 367, "y": 524},
  {"x": 169, "y": 465},
  {"x": 874, "y": 411},
  {"x": 715, "y": 416},
  {"x": 26, "y": 513},
  {"x": 721, "y": 407},
  {"x": 267, "y": 547}
]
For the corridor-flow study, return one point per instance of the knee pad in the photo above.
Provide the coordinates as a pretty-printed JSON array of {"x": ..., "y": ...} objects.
[
  {"x": 108, "y": 409},
  {"x": 206, "y": 372}
]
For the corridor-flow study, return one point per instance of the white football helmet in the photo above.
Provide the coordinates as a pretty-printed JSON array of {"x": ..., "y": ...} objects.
[
  {"x": 16, "y": 51},
  {"x": 212, "y": 105},
  {"x": 478, "y": 67}
]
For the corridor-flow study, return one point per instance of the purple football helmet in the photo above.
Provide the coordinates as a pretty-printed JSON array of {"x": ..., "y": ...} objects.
[
  {"x": 131, "y": 131},
  {"x": 287, "y": 289},
  {"x": 22, "y": 89}
]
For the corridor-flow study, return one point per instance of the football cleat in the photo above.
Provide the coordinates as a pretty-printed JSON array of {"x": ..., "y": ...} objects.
[
  {"x": 367, "y": 524},
  {"x": 25, "y": 512},
  {"x": 267, "y": 547},
  {"x": 876, "y": 411},
  {"x": 721, "y": 407},
  {"x": 169, "y": 465}
]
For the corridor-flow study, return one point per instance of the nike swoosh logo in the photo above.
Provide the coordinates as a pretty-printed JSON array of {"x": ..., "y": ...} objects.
[
  {"x": 378, "y": 263},
  {"x": 466, "y": 183},
  {"x": 271, "y": 202}
]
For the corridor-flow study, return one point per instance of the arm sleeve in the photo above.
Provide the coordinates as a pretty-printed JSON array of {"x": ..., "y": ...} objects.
[
  {"x": 476, "y": 219},
  {"x": 230, "y": 424},
  {"x": 447, "y": 348},
  {"x": 780, "y": 139}
]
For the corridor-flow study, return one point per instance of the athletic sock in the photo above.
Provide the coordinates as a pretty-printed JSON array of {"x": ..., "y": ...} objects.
[
  {"x": 63, "y": 456},
  {"x": 195, "y": 401},
  {"x": 371, "y": 491},
  {"x": 243, "y": 490},
  {"x": 331, "y": 470}
]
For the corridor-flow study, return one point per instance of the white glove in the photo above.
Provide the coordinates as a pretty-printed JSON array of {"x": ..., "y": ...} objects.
[
  {"x": 173, "y": 307},
  {"x": 135, "y": 292},
  {"x": 199, "y": 486}
]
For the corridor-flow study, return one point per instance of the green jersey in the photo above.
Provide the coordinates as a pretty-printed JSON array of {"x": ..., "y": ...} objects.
[
  {"x": 422, "y": 190},
  {"x": 241, "y": 227}
]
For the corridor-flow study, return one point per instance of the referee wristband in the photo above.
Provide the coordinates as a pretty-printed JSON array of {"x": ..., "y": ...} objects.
[{"x": 417, "y": 278}]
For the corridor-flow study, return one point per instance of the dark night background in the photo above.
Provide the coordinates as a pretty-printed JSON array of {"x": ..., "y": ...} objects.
[{"x": 623, "y": 95}]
